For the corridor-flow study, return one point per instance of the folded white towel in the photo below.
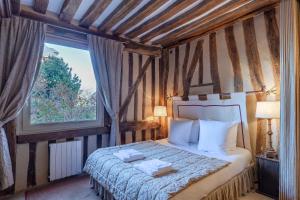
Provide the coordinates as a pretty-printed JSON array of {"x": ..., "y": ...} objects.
[
  {"x": 129, "y": 155},
  {"x": 154, "y": 167}
]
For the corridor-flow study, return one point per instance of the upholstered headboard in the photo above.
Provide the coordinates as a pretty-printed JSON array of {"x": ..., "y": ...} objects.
[{"x": 214, "y": 108}]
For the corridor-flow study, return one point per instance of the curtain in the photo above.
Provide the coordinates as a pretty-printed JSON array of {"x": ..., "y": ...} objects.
[
  {"x": 290, "y": 101},
  {"x": 21, "y": 45},
  {"x": 107, "y": 60}
]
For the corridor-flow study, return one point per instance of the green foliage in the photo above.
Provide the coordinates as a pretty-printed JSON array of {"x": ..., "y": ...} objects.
[{"x": 57, "y": 97}]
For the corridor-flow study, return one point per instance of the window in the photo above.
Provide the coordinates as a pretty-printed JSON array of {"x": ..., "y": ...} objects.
[{"x": 64, "y": 95}]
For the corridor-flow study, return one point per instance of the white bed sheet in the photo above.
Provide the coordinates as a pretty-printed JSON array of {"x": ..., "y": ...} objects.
[{"x": 239, "y": 160}]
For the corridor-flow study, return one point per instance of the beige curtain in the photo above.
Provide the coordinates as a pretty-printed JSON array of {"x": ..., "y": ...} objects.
[
  {"x": 107, "y": 60},
  {"x": 290, "y": 104},
  {"x": 21, "y": 45}
]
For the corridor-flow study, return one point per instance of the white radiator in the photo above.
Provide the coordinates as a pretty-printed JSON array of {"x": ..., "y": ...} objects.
[{"x": 65, "y": 159}]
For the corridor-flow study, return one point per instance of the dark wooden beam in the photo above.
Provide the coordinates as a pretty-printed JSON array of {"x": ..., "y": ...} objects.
[
  {"x": 94, "y": 11},
  {"x": 99, "y": 141},
  {"x": 213, "y": 58},
  {"x": 118, "y": 14},
  {"x": 185, "y": 62},
  {"x": 202, "y": 85},
  {"x": 255, "y": 68},
  {"x": 53, "y": 20},
  {"x": 235, "y": 59},
  {"x": 31, "y": 177},
  {"x": 140, "y": 49},
  {"x": 34, "y": 138},
  {"x": 144, "y": 89},
  {"x": 157, "y": 19},
  {"x": 153, "y": 88},
  {"x": 244, "y": 12},
  {"x": 69, "y": 9},
  {"x": 165, "y": 58},
  {"x": 256, "y": 75},
  {"x": 137, "y": 17},
  {"x": 176, "y": 73},
  {"x": 134, "y": 87},
  {"x": 199, "y": 9},
  {"x": 273, "y": 43},
  {"x": 173, "y": 35},
  {"x": 138, "y": 126},
  {"x": 40, "y": 6},
  {"x": 186, "y": 87},
  {"x": 200, "y": 67},
  {"x": 85, "y": 149}
]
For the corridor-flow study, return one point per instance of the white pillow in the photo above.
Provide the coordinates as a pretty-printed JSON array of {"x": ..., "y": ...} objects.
[
  {"x": 180, "y": 131},
  {"x": 194, "y": 135},
  {"x": 217, "y": 136}
]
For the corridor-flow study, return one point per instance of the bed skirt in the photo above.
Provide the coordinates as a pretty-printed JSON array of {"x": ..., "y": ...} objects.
[{"x": 236, "y": 187}]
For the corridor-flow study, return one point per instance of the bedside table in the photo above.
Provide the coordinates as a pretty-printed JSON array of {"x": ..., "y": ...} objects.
[{"x": 268, "y": 176}]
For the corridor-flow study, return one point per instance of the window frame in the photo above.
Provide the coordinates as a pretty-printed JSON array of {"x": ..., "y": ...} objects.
[{"x": 24, "y": 125}]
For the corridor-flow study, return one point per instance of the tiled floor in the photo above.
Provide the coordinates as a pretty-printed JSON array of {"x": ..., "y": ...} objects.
[{"x": 78, "y": 189}]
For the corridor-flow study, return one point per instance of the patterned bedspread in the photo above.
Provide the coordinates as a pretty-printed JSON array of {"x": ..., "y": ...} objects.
[{"x": 125, "y": 182}]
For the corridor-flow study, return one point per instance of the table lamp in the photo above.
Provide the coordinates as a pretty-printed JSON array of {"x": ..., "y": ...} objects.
[
  {"x": 268, "y": 110},
  {"x": 160, "y": 111}
]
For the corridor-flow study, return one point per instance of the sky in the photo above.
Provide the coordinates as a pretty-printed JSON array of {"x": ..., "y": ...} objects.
[{"x": 80, "y": 62}]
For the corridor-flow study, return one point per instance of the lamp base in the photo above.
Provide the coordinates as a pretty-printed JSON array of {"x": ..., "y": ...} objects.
[{"x": 271, "y": 153}]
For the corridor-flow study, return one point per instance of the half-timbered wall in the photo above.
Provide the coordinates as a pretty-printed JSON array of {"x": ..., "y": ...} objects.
[
  {"x": 146, "y": 96},
  {"x": 240, "y": 57}
]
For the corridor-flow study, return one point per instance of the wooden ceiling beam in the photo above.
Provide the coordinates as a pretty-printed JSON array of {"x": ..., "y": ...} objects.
[
  {"x": 231, "y": 6},
  {"x": 69, "y": 9},
  {"x": 161, "y": 17},
  {"x": 94, "y": 12},
  {"x": 118, "y": 14},
  {"x": 40, "y": 6},
  {"x": 194, "y": 12},
  {"x": 137, "y": 17},
  {"x": 53, "y": 20},
  {"x": 245, "y": 11}
]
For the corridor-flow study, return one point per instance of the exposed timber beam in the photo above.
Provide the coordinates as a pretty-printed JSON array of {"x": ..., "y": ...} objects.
[
  {"x": 244, "y": 12},
  {"x": 94, "y": 12},
  {"x": 53, "y": 20},
  {"x": 40, "y": 6},
  {"x": 145, "y": 11},
  {"x": 69, "y": 9},
  {"x": 199, "y": 9},
  {"x": 161, "y": 17},
  {"x": 233, "y": 5},
  {"x": 118, "y": 14}
]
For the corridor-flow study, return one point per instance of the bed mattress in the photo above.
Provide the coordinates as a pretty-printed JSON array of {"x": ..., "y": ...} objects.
[{"x": 239, "y": 160}]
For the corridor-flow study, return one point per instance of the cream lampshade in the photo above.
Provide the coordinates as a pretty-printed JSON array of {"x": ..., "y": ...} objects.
[
  {"x": 268, "y": 110},
  {"x": 160, "y": 111}
]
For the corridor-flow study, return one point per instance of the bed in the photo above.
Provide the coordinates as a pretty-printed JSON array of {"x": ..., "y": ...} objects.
[{"x": 224, "y": 176}]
